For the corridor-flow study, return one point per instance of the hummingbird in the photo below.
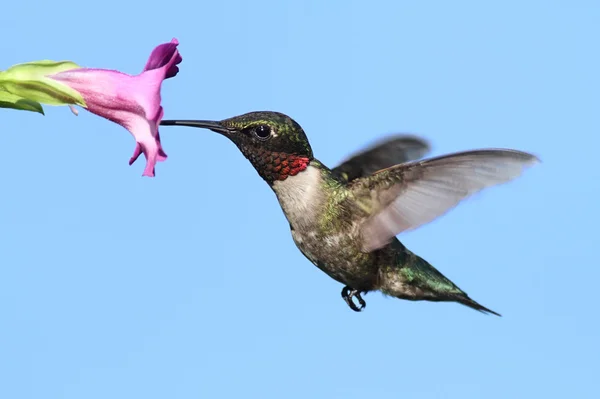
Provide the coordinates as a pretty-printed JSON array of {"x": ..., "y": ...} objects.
[{"x": 345, "y": 220}]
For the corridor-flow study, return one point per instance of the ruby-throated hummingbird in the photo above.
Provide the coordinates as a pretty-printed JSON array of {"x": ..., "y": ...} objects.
[{"x": 345, "y": 220}]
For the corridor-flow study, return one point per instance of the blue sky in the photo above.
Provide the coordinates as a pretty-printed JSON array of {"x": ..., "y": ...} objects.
[{"x": 188, "y": 285}]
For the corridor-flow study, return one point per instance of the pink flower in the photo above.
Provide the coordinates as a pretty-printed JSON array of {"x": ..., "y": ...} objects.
[{"x": 131, "y": 101}]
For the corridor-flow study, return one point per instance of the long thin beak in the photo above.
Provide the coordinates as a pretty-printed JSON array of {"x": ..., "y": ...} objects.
[{"x": 212, "y": 125}]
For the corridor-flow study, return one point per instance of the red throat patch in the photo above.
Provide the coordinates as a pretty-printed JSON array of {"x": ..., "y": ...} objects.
[
  {"x": 282, "y": 165},
  {"x": 274, "y": 166}
]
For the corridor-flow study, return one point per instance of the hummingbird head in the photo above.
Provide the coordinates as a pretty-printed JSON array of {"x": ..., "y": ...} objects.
[{"x": 274, "y": 143}]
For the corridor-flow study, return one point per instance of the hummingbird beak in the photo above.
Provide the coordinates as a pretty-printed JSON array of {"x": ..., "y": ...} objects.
[{"x": 212, "y": 125}]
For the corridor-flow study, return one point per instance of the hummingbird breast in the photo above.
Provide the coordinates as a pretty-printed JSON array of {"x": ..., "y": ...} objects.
[
  {"x": 324, "y": 226},
  {"x": 302, "y": 198}
]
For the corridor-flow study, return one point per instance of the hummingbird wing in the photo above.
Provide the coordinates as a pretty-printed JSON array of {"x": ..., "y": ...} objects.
[
  {"x": 407, "y": 196},
  {"x": 382, "y": 154}
]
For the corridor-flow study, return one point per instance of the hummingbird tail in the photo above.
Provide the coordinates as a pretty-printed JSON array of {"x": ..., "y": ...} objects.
[
  {"x": 474, "y": 305},
  {"x": 411, "y": 277}
]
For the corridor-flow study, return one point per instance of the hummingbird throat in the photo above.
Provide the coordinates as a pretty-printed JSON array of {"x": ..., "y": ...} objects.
[{"x": 277, "y": 166}]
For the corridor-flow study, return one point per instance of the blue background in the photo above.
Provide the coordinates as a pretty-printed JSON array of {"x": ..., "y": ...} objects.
[{"x": 188, "y": 285}]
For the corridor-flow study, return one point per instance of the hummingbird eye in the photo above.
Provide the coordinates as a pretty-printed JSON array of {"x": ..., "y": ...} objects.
[{"x": 262, "y": 132}]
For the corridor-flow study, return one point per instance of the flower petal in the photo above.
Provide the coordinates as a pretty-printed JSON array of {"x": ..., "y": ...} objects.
[
  {"x": 162, "y": 55},
  {"x": 145, "y": 144}
]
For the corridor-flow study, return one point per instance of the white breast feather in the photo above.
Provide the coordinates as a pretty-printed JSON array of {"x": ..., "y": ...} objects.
[{"x": 300, "y": 196}]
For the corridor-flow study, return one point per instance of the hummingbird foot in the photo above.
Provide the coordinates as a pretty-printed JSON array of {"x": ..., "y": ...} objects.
[{"x": 348, "y": 294}]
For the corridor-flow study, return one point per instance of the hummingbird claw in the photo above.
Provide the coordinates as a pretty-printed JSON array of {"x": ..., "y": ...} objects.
[{"x": 348, "y": 294}]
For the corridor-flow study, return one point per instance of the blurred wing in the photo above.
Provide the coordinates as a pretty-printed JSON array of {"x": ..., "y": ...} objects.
[
  {"x": 407, "y": 196},
  {"x": 383, "y": 154}
]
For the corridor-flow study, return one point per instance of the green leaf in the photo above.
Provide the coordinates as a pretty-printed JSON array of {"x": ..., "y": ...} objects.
[
  {"x": 9, "y": 100},
  {"x": 30, "y": 81}
]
